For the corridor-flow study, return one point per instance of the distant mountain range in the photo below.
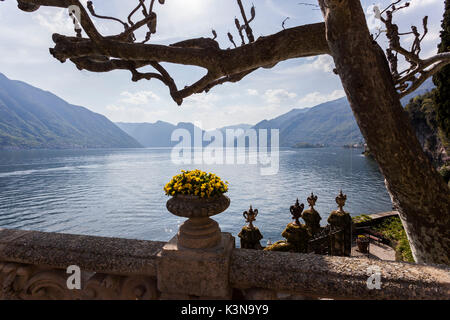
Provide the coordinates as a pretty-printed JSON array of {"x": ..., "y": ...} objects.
[
  {"x": 330, "y": 123},
  {"x": 159, "y": 134},
  {"x": 34, "y": 118},
  {"x": 149, "y": 134}
]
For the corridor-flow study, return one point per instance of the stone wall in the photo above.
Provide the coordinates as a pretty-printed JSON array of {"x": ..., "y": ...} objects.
[{"x": 33, "y": 266}]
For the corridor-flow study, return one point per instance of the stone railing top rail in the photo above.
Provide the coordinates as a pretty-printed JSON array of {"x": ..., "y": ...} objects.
[
  {"x": 90, "y": 253},
  {"x": 337, "y": 277},
  {"x": 386, "y": 214},
  {"x": 305, "y": 274}
]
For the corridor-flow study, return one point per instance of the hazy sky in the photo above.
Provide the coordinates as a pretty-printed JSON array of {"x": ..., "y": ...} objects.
[{"x": 299, "y": 83}]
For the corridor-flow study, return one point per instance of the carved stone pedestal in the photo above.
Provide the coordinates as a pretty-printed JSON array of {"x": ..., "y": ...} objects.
[
  {"x": 196, "y": 233},
  {"x": 311, "y": 216},
  {"x": 250, "y": 238},
  {"x": 341, "y": 242},
  {"x": 189, "y": 273},
  {"x": 297, "y": 238}
]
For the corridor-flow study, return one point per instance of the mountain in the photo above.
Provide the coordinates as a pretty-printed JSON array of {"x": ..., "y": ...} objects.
[
  {"x": 242, "y": 126},
  {"x": 276, "y": 122},
  {"x": 149, "y": 134},
  {"x": 329, "y": 123},
  {"x": 34, "y": 118},
  {"x": 158, "y": 134}
]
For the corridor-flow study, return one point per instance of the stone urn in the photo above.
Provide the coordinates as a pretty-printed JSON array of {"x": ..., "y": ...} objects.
[{"x": 199, "y": 231}]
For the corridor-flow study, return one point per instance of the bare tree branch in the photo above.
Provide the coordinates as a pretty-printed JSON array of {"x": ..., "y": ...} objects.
[
  {"x": 99, "y": 53},
  {"x": 248, "y": 29},
  {"x": 424, "y": 75},
  {"x": 412, "y": 77}
]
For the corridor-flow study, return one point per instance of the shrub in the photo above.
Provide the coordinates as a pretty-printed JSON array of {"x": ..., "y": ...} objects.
[
  {"x": 361, "y": 218},
  {"x": 392, "y": 229},
  {"x": 445, "y": 173}
]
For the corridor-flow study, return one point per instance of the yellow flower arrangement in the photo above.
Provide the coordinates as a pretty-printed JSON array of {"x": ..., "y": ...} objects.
[{"x": 196, "y": 182}]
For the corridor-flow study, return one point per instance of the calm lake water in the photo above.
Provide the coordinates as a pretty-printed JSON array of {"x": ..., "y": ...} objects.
[{"x": 119, "y": 192}]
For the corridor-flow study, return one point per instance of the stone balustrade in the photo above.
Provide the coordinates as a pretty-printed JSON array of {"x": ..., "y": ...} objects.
[{"x": 33, "y": 266}]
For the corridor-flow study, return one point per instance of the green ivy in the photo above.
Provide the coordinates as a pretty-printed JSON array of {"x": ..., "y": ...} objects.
[
  {"x": 361, "y": 218},
  {"x": 392, "y": 229}
]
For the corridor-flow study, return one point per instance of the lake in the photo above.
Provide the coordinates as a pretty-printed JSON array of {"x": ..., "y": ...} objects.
[{"x": 119, "y": 192}]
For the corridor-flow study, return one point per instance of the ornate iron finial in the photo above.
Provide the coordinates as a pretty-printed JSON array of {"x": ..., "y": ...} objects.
[
  {"x": 340, "y": 200},
  {"x": 312, "y": 200},
  {"x": 296, "y": 211},
  {"x": 250, "y": 216}
]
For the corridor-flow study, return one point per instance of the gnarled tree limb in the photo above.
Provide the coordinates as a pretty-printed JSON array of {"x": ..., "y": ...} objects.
[
  {"x": 411, "y": 78},
  {"x": 98, "y": 53}
]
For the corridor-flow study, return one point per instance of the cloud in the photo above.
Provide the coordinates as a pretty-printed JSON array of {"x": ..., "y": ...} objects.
[
  {"x": 202, "y": 101},
  {"x": 138, "y": 98},
  {"x": 315, "y": 98},
  {"x": 133, "y": 114},
  {"x": 415, "y": 5},
  {"x": 372, "y": 22},
  {"x": 276, "y": 96},
  {"x": 252, "y": 92},
  {"x": 323, "y": 63},
  {"x": 55, "y": 21},
  {"x": 276, "y": 8},
  {"x": 190, "y": 19}
]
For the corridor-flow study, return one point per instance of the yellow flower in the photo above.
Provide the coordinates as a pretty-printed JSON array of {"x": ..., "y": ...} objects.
[{"x": 195, "y": 182}]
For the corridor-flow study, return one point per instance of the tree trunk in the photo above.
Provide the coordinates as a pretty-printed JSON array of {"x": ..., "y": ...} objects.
[{"x": 416, "y": 188}]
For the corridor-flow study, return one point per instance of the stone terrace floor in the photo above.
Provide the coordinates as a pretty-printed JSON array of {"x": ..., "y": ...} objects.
[{"x": 378, "y": 251}]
